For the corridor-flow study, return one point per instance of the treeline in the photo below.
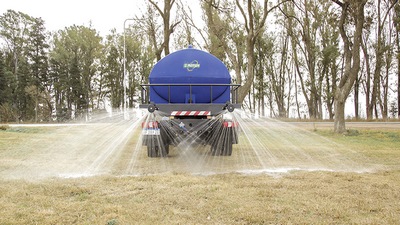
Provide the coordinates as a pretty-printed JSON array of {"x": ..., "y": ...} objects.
[
  {"x": 299, "y": 59},
  {"x": 66, "y": 74}
]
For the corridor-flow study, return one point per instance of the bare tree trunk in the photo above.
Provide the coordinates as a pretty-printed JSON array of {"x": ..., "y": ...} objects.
[
  {"x": 289, "y": 93},
  {"x": 397, "y": 24},
  {"x": 378, "y": 63},
  {"x": 352, "y": 58},
  {"x": 263, "y": 106},
  {"x": 253, "y": 98},
  {"x": 296, "y": 96},
  {"x": 367, "y": 82},
  {"x": 381, "y": 49},
  {"x": 339, "y": 124},
  {"x": 250, "y": 105},
  {"x": 398, "y": 64},
  {"x": 356, "y": 100}
]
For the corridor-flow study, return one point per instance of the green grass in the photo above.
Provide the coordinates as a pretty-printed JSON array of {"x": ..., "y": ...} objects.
[{"x": 380, "y": 146}]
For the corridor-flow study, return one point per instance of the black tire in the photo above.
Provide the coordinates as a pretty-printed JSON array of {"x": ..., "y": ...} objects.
[
  {"x": 217, "y": 148},
  {"x": 164, "y": 151},
  {"x": 167, "y": 149},
  {"x": 152, "y": 150},
  {"x": 227, "y": 144},
  {"x": 227, "y": 151},
  {"x": 214, "y": 150}
]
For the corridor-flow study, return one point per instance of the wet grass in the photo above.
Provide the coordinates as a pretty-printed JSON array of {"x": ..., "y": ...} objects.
[{"x": 299, "y": 197}]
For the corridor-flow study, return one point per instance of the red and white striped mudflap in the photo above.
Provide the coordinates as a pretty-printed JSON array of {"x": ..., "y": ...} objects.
[{"x": 190, "y": 113}]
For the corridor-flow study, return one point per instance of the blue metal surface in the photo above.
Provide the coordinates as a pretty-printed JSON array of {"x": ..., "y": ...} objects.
[{"x": 189, "y": 66}]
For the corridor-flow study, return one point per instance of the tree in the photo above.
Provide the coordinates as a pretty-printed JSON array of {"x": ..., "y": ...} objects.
[
  {"x": 25, "y": 41},
  {"x": 74, "y": 61},
  {"x": 381, "y": 50},
  {"x": 226, "y": 37},
  {"x": 311, "y": 27},
  {"x": 254, "y": 26},
  {"x": 140, "y": 60},
  {"x": 113, "y": 71},
  {"x": 90, "y": 48},
  {"x": 37, "y": 54},
  {"x": 168, "y": 28},
  {"x": 218, "y": 30},
  {"x": 328, "y": 62},
  {"x": 397, "y": 25},
  {"x": 7, "y": 112},
  {"x": 351, "y": 52}
]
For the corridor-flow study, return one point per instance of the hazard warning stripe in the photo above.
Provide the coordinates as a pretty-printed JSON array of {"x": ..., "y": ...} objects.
[{"x": 190, "y": 113}]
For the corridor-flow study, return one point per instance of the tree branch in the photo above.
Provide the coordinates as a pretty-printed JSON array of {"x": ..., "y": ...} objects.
[
  {"x": 158, "y": 8},
  {"x": 339, "y": 3},
  {"x": 244, "y": 16}
]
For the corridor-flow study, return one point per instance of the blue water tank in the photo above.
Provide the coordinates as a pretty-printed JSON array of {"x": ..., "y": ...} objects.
[{"x": 189, "y": 66}]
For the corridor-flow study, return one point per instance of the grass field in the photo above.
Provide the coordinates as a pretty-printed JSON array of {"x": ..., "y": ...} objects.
[{"x": 34, "y": 195}]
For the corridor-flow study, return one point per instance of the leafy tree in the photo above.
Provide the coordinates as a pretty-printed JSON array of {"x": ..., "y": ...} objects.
[
  {"x": 218, "y": 29},
  {"x": 74, "y": 61},
  {"x": 7, "y": 112},
  {"x": 140, "y": 58},
  {"x": 329, "y": 58},
  {"x": 226, "y": 36},
  {"x": 25, "y": 46},
  {"x": 4, "y": 81},
  {"x": 37, "y": 53},
  {"x": 113, "y": 74},
  {"x": 254, "y": 24},
  {"x": 307, "y": 22}
]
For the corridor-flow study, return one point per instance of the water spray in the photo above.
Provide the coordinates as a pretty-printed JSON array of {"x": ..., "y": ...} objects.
[{"x": 188, "y": 104}]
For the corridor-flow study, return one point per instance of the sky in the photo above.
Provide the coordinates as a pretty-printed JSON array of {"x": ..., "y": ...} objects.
[{"x": 58, "y": 14}]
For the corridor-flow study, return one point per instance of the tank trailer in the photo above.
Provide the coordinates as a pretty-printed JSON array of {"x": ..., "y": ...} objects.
[{"x": 190, "y": 97}]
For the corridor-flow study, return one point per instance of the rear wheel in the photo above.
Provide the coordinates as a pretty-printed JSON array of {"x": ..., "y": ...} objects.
[
  {"x": 227, "y": 147},
  {"x": 227, "y": 143},
  {"x": 152, "y": 151},
  {"x": 223, "y": 144},
  {"x": 167, "y": 149},
  {"x": 215, "y": 149},
  {"x": 156, "y": 151}
]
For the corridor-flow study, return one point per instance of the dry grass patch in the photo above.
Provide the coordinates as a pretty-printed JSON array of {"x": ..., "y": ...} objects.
[{"x": 299, "y": 197}]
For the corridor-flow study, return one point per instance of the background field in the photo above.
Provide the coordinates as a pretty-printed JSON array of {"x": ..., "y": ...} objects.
[{"x": 279, "y": 173}]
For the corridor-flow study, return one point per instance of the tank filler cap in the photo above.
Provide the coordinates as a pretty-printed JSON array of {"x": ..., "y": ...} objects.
[{"x": 190, "y": 46}]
